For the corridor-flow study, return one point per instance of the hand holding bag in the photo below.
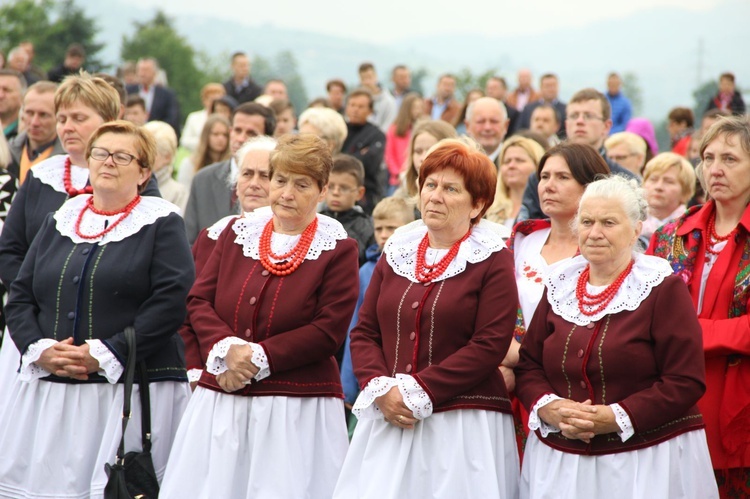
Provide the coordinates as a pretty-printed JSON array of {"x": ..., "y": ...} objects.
[{"x": 132, "y": 476}]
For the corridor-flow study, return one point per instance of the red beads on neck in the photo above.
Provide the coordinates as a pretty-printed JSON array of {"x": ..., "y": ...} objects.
[
  {"x": 72, "y": 191},
  {"x": 427, "y": 273},
  {"x": 589, "y": 304},
  {"x": 715, "y": 238},
  {"x": 291, "y": 259},
  {"x": 90, "y": 206}
]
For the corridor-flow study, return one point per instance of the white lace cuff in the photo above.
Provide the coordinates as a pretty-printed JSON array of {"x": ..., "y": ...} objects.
[
  {"x": 260, "y": 359},
  {"x": 194, "y": 375},
  {"x": 364, "y": 408},
  {"x": 415, "y": 398},
  {"x": 29, "y": 370},
  {"x": 535, "y": 422},
  {"x": 623, "y": 421},
  {"x": 216, "y": 364},
  {"x": 109, "y": 366}
]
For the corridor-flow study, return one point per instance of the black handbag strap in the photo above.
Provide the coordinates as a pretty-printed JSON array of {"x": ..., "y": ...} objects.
[
  {"x": 145, "y": 407},
  {"x": 129, "y": 375}
]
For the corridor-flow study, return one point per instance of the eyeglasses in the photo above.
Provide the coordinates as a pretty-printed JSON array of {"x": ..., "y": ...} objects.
[
  {"x": 586, "y": 117},
  {"x": 341, "y": 188},
  {"x": 620, "y": 158},
  {"x": 120, "y": 158}
]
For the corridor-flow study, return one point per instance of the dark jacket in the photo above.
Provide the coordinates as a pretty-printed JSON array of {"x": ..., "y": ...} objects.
[
  {"x": 367, "y": 144},
  {"x": 246, "y": 94},
  {"x": 359, "y": 227},
  {"x": 164, "y": 106},
  {"x": 736, "y": 106},
  {"x": 16, "y": 149}
]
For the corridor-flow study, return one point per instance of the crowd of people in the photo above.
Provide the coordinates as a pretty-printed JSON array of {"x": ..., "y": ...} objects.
[{"x": 389, "y": 294}]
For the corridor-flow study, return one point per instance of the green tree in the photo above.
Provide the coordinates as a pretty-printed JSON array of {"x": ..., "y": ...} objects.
[
  {"x": 157, "y": 38},
  {"x": 51, "y": 26},
  {"x": 418, "y": 81},
  {"x": 286, "y": 70},
  {"x": 466, "y": 80},
  {"x": 702, "y": 95},
  {"x": 631, "y": 88}
]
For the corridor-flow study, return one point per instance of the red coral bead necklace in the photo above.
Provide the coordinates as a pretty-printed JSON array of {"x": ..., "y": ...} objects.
[
  {"x": 72, "y": 191},
  {"x": 427, "y": 273},
  {"x": 591, "y": 304},
  {"x": 293, "y": 258},
  {"x": 716, "y": 238},
  {"x": 124, "y": 213}
]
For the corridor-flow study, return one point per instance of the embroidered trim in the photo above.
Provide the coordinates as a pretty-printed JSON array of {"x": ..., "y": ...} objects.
[
  {"x": 216, "y": 229},
  {"x": 250, "y": 227},
  {"x": 50, "y": 172},
  {"x": 30, "y": 371},
  {"x": 398, "y": 327},
  {"x": 216, "y": 363},
  {"x": 148, "y": 211},
  {"x": 564, "y": 358},
  {"x": 415, "y": 398},
  {"x": 537, "y": 423},
  {"x": 59, "y": 291},
  {"x": 401, "y": 249},
  {"x": 91, "y": 293},
  {"x": 432, "y": 323},
  {"x": 260, "y": 359},
  {"x": 109, "y": 366},
  {"x": 601, "y": 362},
  {"x": 648, "y": 272},
  {"x": 623, "y": 421}
]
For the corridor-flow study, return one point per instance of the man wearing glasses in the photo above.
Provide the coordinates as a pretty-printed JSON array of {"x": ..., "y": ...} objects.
[{"x": 587, "y": 121}]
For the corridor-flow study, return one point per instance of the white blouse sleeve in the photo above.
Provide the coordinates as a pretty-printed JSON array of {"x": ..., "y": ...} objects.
[
  {"x": 30, "y": 371},
  {"x": 535, "y": 422},
  {"x": 217, "y": 365},
  {"x": 109, "y": 366}
]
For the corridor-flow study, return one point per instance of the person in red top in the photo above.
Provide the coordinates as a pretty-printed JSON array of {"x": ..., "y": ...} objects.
[
  {"x": 709, "y": 248},
  {"x": 680, "y": 128},
  {"x": 434, "y": 414},
  {"x": 271, "y": 308}
]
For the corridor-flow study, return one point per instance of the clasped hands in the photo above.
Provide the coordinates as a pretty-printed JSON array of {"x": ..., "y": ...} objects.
[
  {"x": 579, "y": 420},
  {"x": 66, "y": 360},
  {"x": 240, "y": 369},
  {"x": 395, "y": 410}
]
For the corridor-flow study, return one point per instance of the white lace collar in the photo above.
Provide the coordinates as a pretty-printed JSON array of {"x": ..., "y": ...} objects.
[
  {"x": 647, "y": 273},
  {"x": 250, "y": 227},
  {"x": 216, "y": 229},
  {"x": 146, "y": 212},
  {"x": 401, "y": 249},
  {"x": 52, "y": 170}
]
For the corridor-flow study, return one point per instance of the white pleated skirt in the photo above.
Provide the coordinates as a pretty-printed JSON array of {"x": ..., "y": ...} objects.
[
  {"x": 463, "y": 453},
  {"x": 55, "y": 438},
  {"x": 269, "y": 447},
  {"x": 10, "y": 359},
  {"x": 679, "y": 468}
]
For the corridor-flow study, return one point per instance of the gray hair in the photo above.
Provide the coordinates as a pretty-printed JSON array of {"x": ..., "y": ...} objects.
[
  {"x": 259, "y": 143},
  {"x": 330, "y": 123},
  {"x": 627, "y": 191},
  {"x": 500, "y": 105},
  {"x": 165, "y": 137}
]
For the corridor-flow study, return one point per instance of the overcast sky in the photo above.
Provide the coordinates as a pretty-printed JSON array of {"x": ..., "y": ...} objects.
[{"x": 387, "y": 21}]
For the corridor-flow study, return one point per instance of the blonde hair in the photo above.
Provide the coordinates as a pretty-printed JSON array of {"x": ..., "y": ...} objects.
[
  {"x": 393, "y": 207},
  {"x": 635, "y": 143},
  {"x": 90, "y": 91},
  {"x": 502, "y": 207},
  {"x": 165, "y": 137},
  {"x": 666, "y": 160},
  {"x": 331, "y": 125}
]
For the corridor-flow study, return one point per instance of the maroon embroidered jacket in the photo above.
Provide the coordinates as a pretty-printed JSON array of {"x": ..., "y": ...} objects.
[
  {"x": 449, "y": 335},
  {"x": 650, "y": 361},
  {"x": 300, "y": 320}
]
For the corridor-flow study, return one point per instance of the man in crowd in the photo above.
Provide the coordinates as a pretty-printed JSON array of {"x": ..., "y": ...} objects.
[
  {"x": 366, "y": 142},
  {"x": 12, "y": 88},
  {"x": 588, "y": 120},
  {"x": 241, "y": 86},
  {"x": 35, "y": 71},
  {"x": 487, "y": 123},
  {"x": 161, "y": 102},
  {"x": 336, "y": 90},
  {"x": 548, "y": 91},
  {"x": 622, "y": 110},
  {"x": 401, "y": 78},
  {"x": 212, "y": 191},
  {"x": 39, "y": 139},
  {"x": 18, "y": 60},
  {"x": 443, "y": 105},
  {"x": 498, "y": 89},
  {"x": 276, "y": 89},
  {"x": 524, "y": 94},
  {"x": 75, "y": 56},
  {"x": 544, "y": 121},
  {"x": 728, "y": 98},
  {"x": 384, "y": 108}
]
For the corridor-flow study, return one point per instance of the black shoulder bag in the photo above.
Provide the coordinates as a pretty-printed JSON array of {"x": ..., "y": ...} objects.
[{"x": 133, "y": 475}]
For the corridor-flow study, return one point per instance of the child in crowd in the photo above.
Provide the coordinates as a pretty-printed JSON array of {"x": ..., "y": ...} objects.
[
  {"x": 388, "y": 215},
  {"x": 135, "y": 110},
  {"x": 346, "y": 186}
]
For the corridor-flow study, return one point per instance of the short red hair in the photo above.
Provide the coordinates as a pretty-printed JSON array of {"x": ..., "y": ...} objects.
[{"x": 478, "y": 172}]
